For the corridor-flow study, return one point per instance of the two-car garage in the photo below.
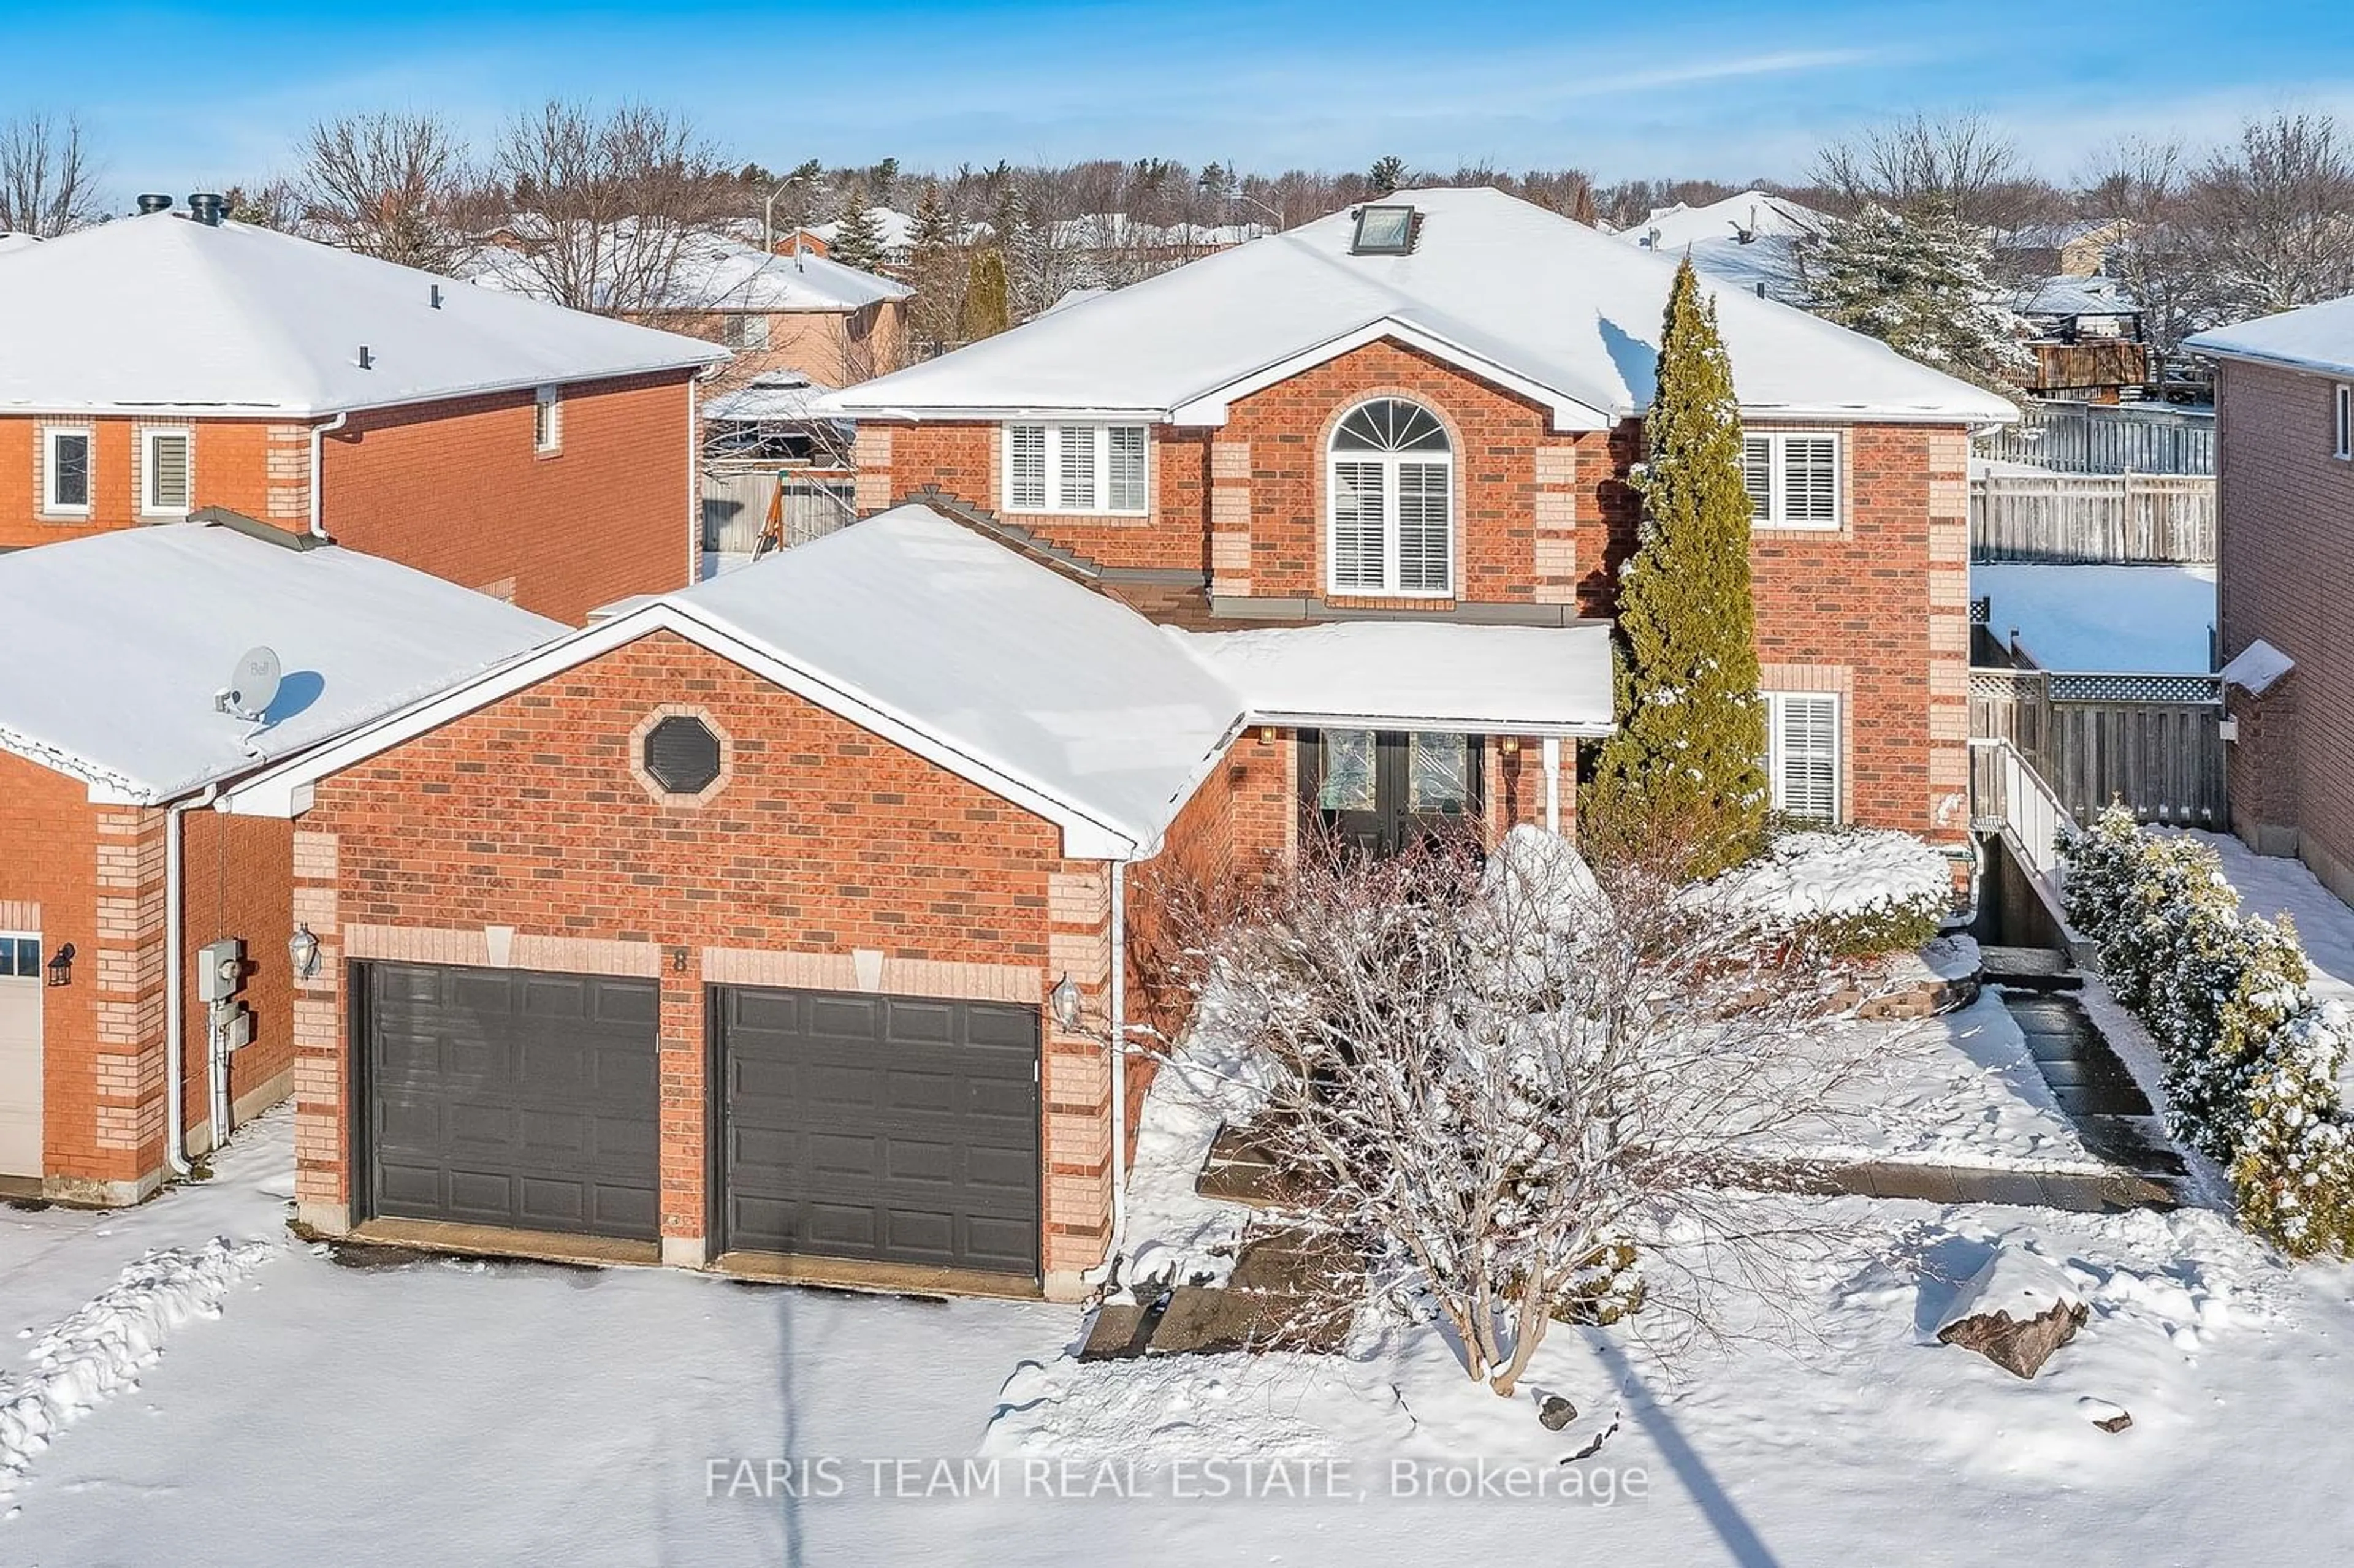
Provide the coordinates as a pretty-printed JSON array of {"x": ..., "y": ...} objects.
[{"x": 853, "y": 1126}]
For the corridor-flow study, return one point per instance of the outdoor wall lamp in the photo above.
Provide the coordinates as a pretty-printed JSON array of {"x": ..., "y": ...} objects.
[
  {"x": 60, "y": 965},
  {"x": 1065, "y": 1000},
  {"x": 1267, "y": 734},
  {"x": 302, "y": 951},
  {"x": 1510, "y": 745}
]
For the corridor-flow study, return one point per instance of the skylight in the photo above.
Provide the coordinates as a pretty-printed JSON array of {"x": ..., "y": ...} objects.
[{"x": 1383, "y": 231}]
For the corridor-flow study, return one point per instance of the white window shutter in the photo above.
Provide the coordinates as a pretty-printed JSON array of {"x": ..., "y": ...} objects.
[
  {"x": 1025, "y": 487},
  {"x": 1809, "y": 480},
  {"x": 1076, "y": 478},
  {"x": 1426, "y": 546},
  {"x": 1127, "y": 466},
  {"x": 1806, "y": 755},
  {"x": 1358, "y": 512},
  {"x": 1757, "y": 475}
]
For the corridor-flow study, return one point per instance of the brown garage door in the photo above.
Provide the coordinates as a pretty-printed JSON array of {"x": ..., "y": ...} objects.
[
  {"x": 508, "y": 1097},
  {"x": 901, "y": 1129}
]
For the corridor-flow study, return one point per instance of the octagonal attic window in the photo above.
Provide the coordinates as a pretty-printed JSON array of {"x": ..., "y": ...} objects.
[
  {"x": 682, "y": 755},
  {"x": 1383, "y": 231}
]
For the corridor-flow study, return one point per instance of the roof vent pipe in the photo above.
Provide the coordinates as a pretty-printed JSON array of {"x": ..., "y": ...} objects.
[
  {"x": 366, "y": 360},
  {"x": 153, "y": 203},
  {"x": 207, "y": 209}
]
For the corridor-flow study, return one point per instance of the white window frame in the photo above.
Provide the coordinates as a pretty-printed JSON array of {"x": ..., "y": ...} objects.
[
  {"x": 1096, "y": 439},
  {"x": 50, "y": 435},
  {"x": 148, "y": 505},
  {"x": 747, "y": 330},
  {"x": 2342, "y": 405},
  {"x": 1778, "y": 757},
  {"x": 546, "y": 421},
  {"x": 1390, "y": 464},
  {"x": 1776, "y": 513}
]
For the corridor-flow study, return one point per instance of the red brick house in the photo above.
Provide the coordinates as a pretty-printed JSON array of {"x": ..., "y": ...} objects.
[
  {"x": 1428, "y": 411},
  {"x": 161, "y": 366},
  {"x": 2285, "y": 577},
  {"x": 116, "y": 874},
  {"x": 792, "y": 923}
]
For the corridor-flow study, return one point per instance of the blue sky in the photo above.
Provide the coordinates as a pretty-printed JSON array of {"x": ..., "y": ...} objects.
[{"x": 180, "y": 96}]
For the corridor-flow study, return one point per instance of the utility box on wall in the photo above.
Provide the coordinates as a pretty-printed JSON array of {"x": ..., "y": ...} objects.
[{"x": 220, "y": 969}]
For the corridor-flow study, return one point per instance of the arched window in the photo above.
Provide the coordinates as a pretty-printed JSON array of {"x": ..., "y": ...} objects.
[{"x": 1392, "y": 485}]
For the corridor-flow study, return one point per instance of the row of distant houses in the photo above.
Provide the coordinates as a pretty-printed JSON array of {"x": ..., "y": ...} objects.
[{"x": 806, "y": 921}]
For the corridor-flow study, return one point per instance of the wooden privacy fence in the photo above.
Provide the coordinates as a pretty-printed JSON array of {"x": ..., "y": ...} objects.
[
  {"x": 2098, "y": 438},
  {"x": 735, "y": 506},
  {"x": 2151, "y": 741},
  {"x": 2089, "y": 517}
]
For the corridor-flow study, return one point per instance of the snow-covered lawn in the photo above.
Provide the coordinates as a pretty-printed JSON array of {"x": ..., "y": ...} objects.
[{"x": 2143, "y": 620}]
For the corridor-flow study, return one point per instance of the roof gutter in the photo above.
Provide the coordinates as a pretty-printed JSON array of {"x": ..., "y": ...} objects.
[{"x": 319, "y": 434}]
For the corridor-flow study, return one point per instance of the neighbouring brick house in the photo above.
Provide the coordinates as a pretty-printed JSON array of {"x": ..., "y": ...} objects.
[
  {"x": 793, "y": 309},
  {"x": 162, "y": 366},
  {"x": 2285, "y": 579},
  {"x": 1430, "y": 410},
  {"x": 112, "y": 751},
  {"x": 793, "y": 923}
]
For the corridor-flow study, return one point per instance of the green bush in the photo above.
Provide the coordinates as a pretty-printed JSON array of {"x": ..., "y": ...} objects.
[{"x": 2250, "y": 1057}]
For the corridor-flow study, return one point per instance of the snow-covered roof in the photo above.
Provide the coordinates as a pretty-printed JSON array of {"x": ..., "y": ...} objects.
[
  {"x": 12, "y": 241},
  {"x": 2071, "y": 296},
  {"x": 2319, "y": 338},
  {"x": 1526, "y": 298},
  {"x": 1054, "y": 697},
  {"x": 1757, "y": 213},
  {"x": 782, "y": 397},
  {"x": 120, "y": 642},
  {"x": 1074, "y": 297},
  {"x": 715, "y": 273},
  {"x": 1420, "y": 675},
  {"x": 162, "y": 315},
  {"x": 895, "y": 228},
  {"x": 2257, "y": 668}
]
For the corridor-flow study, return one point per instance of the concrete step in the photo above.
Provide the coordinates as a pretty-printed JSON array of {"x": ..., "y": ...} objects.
[{"x": 2029, "y": 968}]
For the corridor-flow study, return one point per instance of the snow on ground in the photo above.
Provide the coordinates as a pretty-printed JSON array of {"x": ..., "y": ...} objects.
[
  {"x": 443, "y": 1411},
  {"x": 1175, "y": 1235},
  {"x": 1957, "y": 1089},
  {"x": 2141, "y": 620}
]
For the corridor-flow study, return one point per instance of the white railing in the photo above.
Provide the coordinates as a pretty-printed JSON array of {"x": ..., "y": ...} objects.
[{"x": 2009, "y": 794}]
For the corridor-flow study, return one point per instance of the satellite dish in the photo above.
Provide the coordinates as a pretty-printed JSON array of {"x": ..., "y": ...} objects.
[{"x": 252, "y": 685}]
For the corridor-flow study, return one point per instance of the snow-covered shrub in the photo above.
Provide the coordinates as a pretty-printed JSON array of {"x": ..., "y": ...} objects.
[
  {"x": 2250, "y": 1057},
  {"x": 1498, "y": 1073},
  {"x": 1854, "y": 892}
]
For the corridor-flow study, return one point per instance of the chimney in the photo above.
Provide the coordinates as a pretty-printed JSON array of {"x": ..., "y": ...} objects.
[
  {"x": 207, "y": 209},
  {"x": 153, "y": 203}
]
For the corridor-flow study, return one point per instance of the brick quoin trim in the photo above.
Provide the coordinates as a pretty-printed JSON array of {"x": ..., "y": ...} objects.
[
  {"x": 826, "y": 842},
  {"x": 454, "y": 488},
  {"x": 1545, "y": 518}
]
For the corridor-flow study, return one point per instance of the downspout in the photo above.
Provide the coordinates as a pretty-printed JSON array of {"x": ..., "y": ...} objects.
[
  {"x": 1552, "y": 783},
  {"x": 319, "y": 434},
  {"x": 1118, "y": 1006},
  {"x": 176, "y": 1137}
]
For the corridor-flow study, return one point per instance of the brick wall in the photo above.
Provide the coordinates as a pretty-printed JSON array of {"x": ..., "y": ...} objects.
[
  {"x": 839, "y": 348},
  {"x": 237, "y": 880},
  {"x": 49, "y": 874},
  {"x": 237, "y": 463},
  {"x": 1876, "y": 611},
  {"x": 2285, "y": 575},
  {"x": 823, "y": 840},
  {"x": 458, "y": 490}
]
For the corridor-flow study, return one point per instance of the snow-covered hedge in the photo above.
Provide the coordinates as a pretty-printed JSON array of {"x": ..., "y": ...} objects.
[
  {"x": 1859, "y": 890},
  {"x": 2250, "y": 1055}
]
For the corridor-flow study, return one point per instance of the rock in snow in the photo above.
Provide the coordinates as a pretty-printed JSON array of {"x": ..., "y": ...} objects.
[
  {"x": 2015, "y": 1311},
  {"x": 98, "y": 1350}
]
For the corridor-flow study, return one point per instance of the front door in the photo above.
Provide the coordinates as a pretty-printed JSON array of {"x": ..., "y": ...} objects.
[{"x": 1381, "y": 791}]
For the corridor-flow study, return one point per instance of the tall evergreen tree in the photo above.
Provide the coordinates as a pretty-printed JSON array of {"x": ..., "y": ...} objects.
[
  {"x": 1918, "y": 282},
  {"x": 1685, "y": 770},
  {"x": 987, "y": 308},
  {"x": 857, "y": 235}
]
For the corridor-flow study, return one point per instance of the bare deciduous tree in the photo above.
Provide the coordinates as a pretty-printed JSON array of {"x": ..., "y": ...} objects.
[
  {"x": 1501, "y": 1074},
  {"x": 2133, "y": 189},
  {"x": 1962, "y": 162},
  {"x": 2271, "y": 219},
  {"x": 393, "y": 185},
  {"x": 48, "y": 181},
  {"x": 606, "y": 202}
]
